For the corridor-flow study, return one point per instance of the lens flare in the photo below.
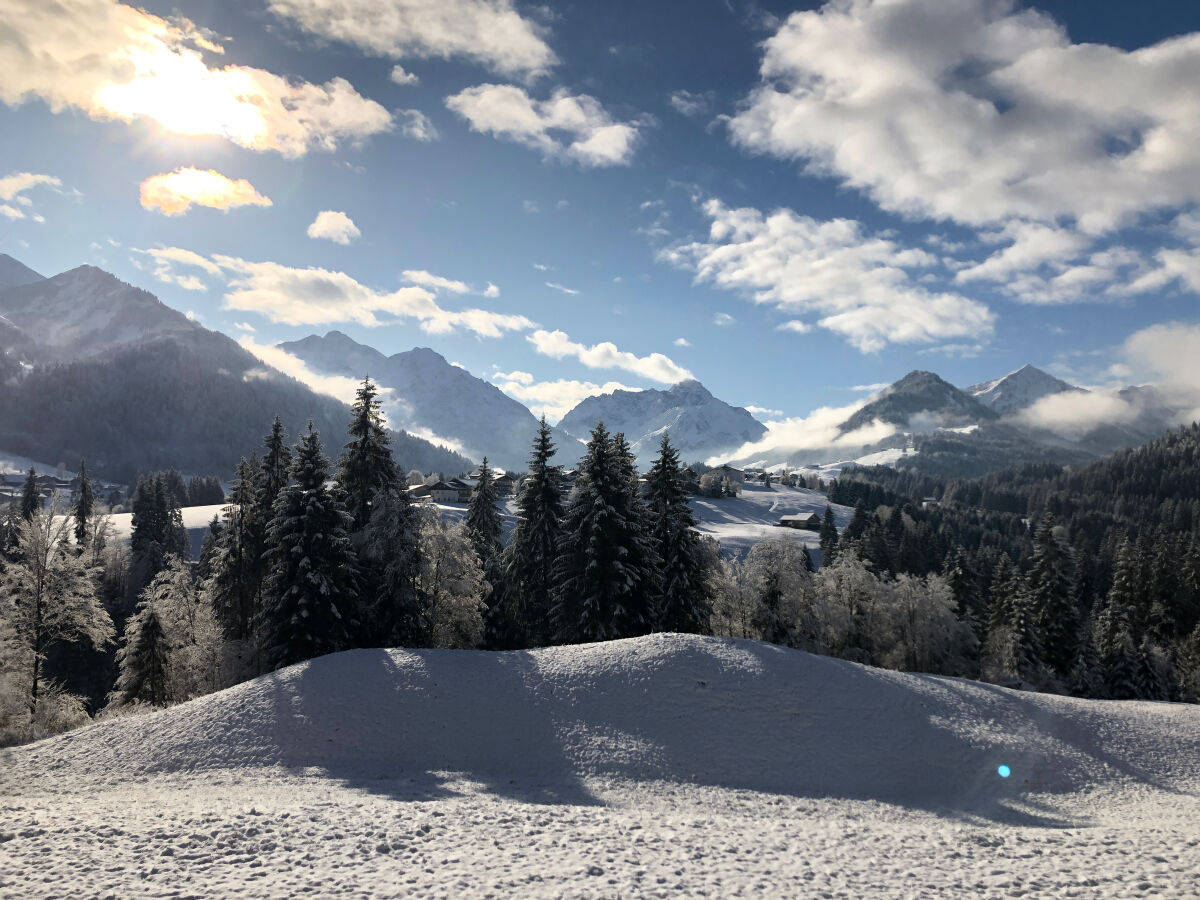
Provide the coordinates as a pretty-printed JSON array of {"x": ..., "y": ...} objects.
[{"x": 1003, "y": 771}]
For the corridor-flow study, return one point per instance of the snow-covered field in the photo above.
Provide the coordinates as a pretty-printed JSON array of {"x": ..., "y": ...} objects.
[
  {"x": 741, "y": 522},
  {"x": 660, "y": 766}
]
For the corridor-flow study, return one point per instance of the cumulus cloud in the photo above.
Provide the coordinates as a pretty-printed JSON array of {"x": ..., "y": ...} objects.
[
  {"x": 489, "y": 32},
  {"x": 416, "y": 125},
  {"x": 114, "y": 61},
  {"x": 164, "y": 259},
  {"x": 434, "y": 282},
  {"x": 605, "y": 355},
  {"x": 980, "y": 112},
  {"x": 682, "y": 342},
  {"x": 1169, "y": 354},
  {"x": 491, "y": 291},
  {"x": 174, "y": 193},
  {"x": 402, "y": 77},
  {"x": 566, "y": 126},
  {"x": 860, "y": 286},
  {"x": 820, "y": 430},
  {"x": 761, "y": 411},
  {"x": 553, "y": 399},
  {"x": 335, "y": 226}
]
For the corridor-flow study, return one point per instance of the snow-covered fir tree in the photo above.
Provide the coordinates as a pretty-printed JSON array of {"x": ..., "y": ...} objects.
[
  {"x": 520, "y": 620},
  {"x": 391, "y": 550},
  {"x": 684, "y": 601},
  {"x": 237, "y": 568},
  {"x": 365, "y": 466},
  {"x": 312, "y": 586},
  {"x": 829, "y": 538},
  {"x": 276, "y": 464},
  {"x": 483, "y": 519},
  {"x": 603, "y": 580},
  {"x": 142, "y": 660},
  {"x": 31, "y": 496},
  {"x": 85, "y": 504},
  {"x": 1051, "y": 597}
]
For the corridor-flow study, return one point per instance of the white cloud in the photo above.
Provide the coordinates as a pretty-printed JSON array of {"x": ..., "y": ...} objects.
[
  {"x": 416, "y": 125},
  {"x": 682, "y": 342},
  {"x": 980, "y": 112},
  {"x": 541, "y": 267},
  {"x": 819, "y": 430},
  {"x": 689, "y": 103},
  {"x": 722, "y": 319},
  {"x": 434, "y": 282},
  {"x": 490, "y": 32},
  {"x": 314, "y": 296},
  {"x": 553, "y": 399},
  {"x": 174, "y": 193},
  {"x": 164, "y": 260},
  {"x": 1170, "y": 355},
  {"x": 870, "y": 388},
  {"x": 10, "y": 212},
  {"x": 761, "y": 411},
  {"x": 1032, "y": 245},
  {"x": 114, "y": 61},
  {"x": 491, "y": 291},
  {"x": 562, "y": 288},
  {"x": 1075, "y": 413},
  {"x": 335, "y": 226},
  {"x": 340, "y": 386},
  {"x": 531, "y": 207},
  {"x": 13, "y": 188},
  {"x": 859, "y": 285},
  {"x": 796, "y": 326},
  {"x": 244, "y": 326},
  {"x": 605, "y": 355},
  {"x": 402, "y": 77},
  {"x": 583, "y": 131}
]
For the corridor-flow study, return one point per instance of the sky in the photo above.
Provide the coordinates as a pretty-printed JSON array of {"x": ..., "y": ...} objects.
[{"x": 792, "y": 203}]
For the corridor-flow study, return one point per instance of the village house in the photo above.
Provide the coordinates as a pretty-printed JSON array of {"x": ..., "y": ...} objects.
[
  {"x": 445, "y": 492},
  {"x": 805, "y": 521},
  {"x": 723, "y": 481}
]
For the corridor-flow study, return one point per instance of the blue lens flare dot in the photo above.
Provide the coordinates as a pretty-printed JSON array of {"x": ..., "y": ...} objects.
[{"x": 1003, "y": 771}]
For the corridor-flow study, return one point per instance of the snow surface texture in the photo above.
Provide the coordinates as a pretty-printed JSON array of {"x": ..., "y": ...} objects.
[
  {"x": 741, "y": 522},
  {"x": 657, "y": 766}
]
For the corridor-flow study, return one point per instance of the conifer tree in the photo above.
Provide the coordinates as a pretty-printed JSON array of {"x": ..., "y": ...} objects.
[
  {"x": 685, "y": 599},
  {"x": 1051, "y": 595},
  {"x": 483, "y": 519},
  {"x": 829, "y": 538},
  {"x": 392, "y": 615},
  {"x": 237, "y": 567},
  {"x": 1116, "y": 639},
  {"x": 85, "y": 503},
  {"x": 602, "y": 576},
  {"x": 142, "y": 660},
  {"x": 520, "y": 620},
  {"x": 312, "y": 585},
  {"x": 964, "y": 584},
  {"x": 31, "y": 497},
  {"x": 365, "y": 466},
  {"x": 208, "y": 550},
  {"x": 276, "y": 463}
]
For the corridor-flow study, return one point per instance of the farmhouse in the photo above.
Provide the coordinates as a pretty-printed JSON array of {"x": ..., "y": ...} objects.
[
  {"x": 806, "y": 521},
  {"x": 443, "y": 492}
]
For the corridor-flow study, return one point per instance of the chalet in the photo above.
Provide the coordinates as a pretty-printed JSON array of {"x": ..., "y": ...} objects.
[
  {"x": 464, "y": 490},
  {"x": 445, "y": 492},
  {"x": 930, "y": 503},
  {"x": 417, "y": 491},
  {"x": 805, "y": 521},
  {"x": 505, "y": 485}
]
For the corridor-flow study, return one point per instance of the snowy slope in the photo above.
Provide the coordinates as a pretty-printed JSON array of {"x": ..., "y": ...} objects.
[
  {"x": 432, "y": 398},
  {"x": 1017, "y": 390},
  {"x": 665, "y": 764},
  {"x": 700, "y": 425},
  {"x": 741, "y": 522}
]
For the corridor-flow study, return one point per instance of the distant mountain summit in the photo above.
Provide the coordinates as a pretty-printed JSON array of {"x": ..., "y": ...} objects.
[
  {"x": 434, "y": 398},
  {"x": 1017, "y": 390},
  {"x": 921, "y": 401},
  {"x": 700, "y": 425},
  {"x": 14, "y": 273}
]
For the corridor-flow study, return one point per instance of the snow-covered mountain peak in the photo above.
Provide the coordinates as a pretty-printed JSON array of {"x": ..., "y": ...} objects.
[{"x": 1018, "y": 389}]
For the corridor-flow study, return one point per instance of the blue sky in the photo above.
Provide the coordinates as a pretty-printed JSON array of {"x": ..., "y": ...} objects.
[{"x": 785, "y": 202}]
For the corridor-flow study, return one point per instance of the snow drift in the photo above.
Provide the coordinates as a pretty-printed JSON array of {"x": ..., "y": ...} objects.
[{"x": 720, "y": 712}]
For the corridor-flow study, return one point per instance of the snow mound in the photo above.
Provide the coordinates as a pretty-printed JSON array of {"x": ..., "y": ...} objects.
[{"x": 719, "y": 712}]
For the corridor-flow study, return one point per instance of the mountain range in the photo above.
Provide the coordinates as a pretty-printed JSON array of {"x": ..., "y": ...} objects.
[
  {"x": 96, "y": 368},
  {"x": 93, "y": 368}
]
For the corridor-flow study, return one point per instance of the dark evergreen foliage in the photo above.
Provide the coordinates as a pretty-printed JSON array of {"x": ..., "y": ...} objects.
[{"x": 365, "y": 466}]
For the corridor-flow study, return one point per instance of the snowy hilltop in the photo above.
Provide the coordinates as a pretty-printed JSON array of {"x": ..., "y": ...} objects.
[
  {"x": 700, "y": 425},
  {"x": 664, "y": 763},
  {"x": 428, "y": 396}
]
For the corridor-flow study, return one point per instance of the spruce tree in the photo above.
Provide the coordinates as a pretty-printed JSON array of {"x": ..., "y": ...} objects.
[
  {"x": 521, "y": 619},
  {"x": 366, "y": 465},
  {"x": 237, "y": 568},
  {"x": 1051, "y": 595},
  {"x": 31, "y": 497},
  {"x": 312, "y": 586},
  {"x": 142, "y": 660},
  {"x": 392, "y": 614},
  {"x": 85, "y": 503},
  {"x": 964, "y": 584},
  {"x": 602, "y": 575},
  {"x": 685, "y": 600},
  {"x": 483, "y": 519},
  {"x": 276, "y": 463},
  {"x": 829, "y": 538},
  {"x": 1116, "y": 638}
]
